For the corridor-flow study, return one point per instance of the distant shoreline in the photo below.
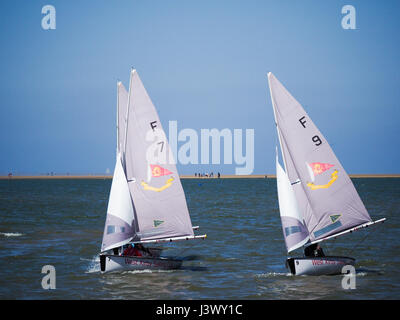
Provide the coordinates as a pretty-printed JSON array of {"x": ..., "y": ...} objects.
[{"x": 254, "y": 176}]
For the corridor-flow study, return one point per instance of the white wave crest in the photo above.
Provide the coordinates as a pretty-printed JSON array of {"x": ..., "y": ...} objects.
[
  {"x": 147, "y": 271},
  {"x": 94, "y": 264},
  {"x": 11, "y": 234},
  {"x": 273, "y": 274}
]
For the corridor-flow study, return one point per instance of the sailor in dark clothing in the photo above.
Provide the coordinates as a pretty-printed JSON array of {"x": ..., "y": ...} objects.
[
  {"x": 143, "y": 250},
  {"x": 314, "y": 250}
]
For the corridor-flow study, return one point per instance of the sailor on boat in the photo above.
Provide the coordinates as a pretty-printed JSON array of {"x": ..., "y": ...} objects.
[
  {"x": 314, "y": 250},
  {"x": 137, "y": 250}
]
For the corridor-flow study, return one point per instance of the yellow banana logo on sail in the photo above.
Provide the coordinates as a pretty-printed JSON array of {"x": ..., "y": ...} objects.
[
  {"x": 167, "y": 184},
  {"x": 312, "y": 186}
]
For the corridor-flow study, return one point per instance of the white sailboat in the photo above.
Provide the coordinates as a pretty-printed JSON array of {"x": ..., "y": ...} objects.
[
  {"x": 317, "y": 199},
  {"x": 147, "y": 203}
]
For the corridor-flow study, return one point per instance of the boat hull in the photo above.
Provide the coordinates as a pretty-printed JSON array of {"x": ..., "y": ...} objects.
[
  {"x": 109, "y": 263},
  {"x": 317, "y": 266}
]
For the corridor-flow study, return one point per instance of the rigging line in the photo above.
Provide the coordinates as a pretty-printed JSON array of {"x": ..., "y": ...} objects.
[
  {"x": 277, "y": 142},
  {"x": 326, "y": 249},
  {"x": 358, "y": 243},
  {"x": 185, "y": 249}
]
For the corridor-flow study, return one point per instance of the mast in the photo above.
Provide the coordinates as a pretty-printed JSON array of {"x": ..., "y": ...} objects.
[
  {"x": 127, "y": 114},
  {"x": 118, "y": 85},
  {"x": 276, "y": 122},
  {"x": 119, "y": 228}
]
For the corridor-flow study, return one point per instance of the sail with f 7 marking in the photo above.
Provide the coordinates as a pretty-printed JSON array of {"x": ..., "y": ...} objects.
[
  {"x": 326, "y": 197},
  {"x": 153, "y": 180},
  {"x": 147, "y": 203}
]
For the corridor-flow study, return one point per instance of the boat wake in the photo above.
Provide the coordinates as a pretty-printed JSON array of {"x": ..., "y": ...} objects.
[
  {"x": 11, "y": 234},
  {"x": 94, "y": 264},
  {"x": 364, "y": 272},
  {"x": 360, "y": 272},
  {"x": 146, "y": 271},
  {"x": 273, "y": 274},
  {"x": 189, "y": 258}
]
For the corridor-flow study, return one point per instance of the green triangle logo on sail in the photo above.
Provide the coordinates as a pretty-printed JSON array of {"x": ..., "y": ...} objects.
[
  {"x": 335, "y": 217},
  {"x": 157, "y": 222}
]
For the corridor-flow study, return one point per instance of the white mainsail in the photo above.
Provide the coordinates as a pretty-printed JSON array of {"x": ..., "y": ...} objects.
[
  {"x": 119, "y": 226},
  {"x": 325, "y": 195},
  {"x": 296, "y": 234}
]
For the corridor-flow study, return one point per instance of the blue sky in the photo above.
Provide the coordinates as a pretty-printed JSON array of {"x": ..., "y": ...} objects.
[{"x": 204, "y": 64}]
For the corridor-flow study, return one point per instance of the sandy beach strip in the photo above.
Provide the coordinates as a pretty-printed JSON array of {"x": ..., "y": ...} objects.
[
  {"x": 56, "y": 177},
  {"x": 273, "y": 176},
  {"x": 253, "y": 176}
]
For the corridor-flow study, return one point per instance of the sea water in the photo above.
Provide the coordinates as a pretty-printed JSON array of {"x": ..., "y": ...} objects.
[{"x": 60, "y": 223}]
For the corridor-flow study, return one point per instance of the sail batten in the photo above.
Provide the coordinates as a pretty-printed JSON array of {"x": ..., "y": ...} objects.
[{"x": 326, "y": 196}]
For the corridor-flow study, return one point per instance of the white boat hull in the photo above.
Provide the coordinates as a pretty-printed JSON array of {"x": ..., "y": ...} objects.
[
  {"x": 317, "y": 266},
  {"x": 110, "y": 263}
]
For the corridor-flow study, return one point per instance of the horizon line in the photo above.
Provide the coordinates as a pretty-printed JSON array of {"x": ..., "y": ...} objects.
[{"x": 223, "y": 176}]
